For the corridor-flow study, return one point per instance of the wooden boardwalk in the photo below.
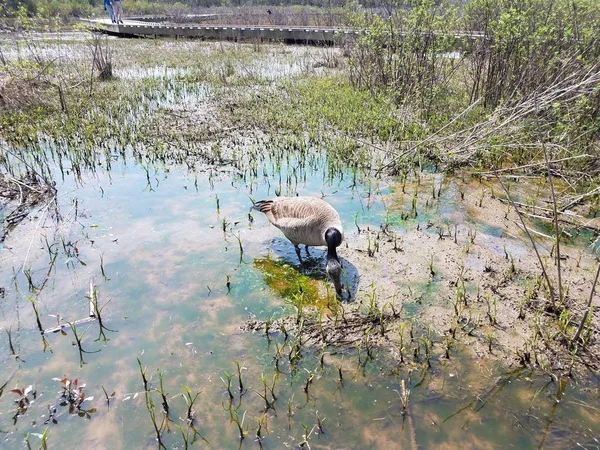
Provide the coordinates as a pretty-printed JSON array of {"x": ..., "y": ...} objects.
[{"x": 287, "y": 34}]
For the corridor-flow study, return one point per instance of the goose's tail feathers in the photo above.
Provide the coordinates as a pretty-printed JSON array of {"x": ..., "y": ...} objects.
[{"x": 264, "y": 206}]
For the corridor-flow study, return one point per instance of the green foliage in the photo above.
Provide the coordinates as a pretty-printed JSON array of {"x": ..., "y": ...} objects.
[
  {"x": 451, "y": 69},
  {"x": 405, "y": 51},
  {"x": 64, "y": 9},
  {"x": 333, "y": 102},
  {"x": 512, "y": 47},
  {"x": 25, "y": 10},
  {"x": 412, "y": 80},
  {"x": 528, "y": 44}
]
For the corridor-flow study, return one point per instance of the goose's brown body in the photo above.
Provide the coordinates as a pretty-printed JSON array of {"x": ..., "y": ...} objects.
[{"x": 303, "y": 220}]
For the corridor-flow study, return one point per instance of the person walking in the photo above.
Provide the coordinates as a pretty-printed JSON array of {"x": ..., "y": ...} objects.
[
  {"x": 117, "y": 6},
  {"x": 108, "y": 7}
]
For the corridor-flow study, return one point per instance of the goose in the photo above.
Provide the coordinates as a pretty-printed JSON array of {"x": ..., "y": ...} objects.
[{"x": 309, "y": 221}]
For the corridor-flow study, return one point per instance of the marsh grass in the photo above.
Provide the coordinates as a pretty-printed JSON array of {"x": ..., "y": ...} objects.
[
  {"x": 78, "y": 342},
  {"x": 106, "y": 118},
  {"x": 308, "y": 108}
]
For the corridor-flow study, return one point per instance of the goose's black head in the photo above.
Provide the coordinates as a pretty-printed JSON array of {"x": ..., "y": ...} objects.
[{"x": 333, "y": 237}]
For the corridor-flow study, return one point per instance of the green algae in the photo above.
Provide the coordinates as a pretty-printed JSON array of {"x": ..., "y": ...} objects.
[{"x": 295, "y": 287}]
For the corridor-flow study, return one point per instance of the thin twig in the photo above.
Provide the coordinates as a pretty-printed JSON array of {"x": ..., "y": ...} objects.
[
  {"x": 581, "y": 197},
  {"x": 541, "y": 163},
  {"x": 549, "y": 284},
  {"x": 588, "y": 308},
  {"x": 556, "y": 227}
]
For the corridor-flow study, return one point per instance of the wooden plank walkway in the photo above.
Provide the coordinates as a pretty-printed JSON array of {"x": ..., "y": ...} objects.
[{"x": 144, "y": 28}]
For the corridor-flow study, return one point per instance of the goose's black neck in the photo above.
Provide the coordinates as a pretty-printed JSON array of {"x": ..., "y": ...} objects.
[{"x": 333, "y": 237}]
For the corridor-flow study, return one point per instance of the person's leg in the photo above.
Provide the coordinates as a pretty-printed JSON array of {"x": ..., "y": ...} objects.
[
  {"x": 111, "y": 14},
  {"x": 117, "y": 10}
]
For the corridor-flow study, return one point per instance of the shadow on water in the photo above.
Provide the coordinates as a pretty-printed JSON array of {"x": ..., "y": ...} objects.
[{"x": 314, "y": 266}]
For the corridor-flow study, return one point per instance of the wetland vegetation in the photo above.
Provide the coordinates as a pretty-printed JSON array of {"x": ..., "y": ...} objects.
[{"x": 143, "y": 304}]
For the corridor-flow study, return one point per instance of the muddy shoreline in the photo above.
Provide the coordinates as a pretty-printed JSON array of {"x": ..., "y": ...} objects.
[
  {"x": 450, "y": 257},
  {"x": 468, "y": 279}
]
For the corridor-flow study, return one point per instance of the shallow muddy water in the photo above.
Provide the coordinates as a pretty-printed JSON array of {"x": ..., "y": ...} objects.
[
  {"x": 179, "y": 263},
  {"x": 167, "y": 263}
]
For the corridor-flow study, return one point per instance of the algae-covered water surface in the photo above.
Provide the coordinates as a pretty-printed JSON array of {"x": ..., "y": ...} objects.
[{"x": 151, "y": 225}]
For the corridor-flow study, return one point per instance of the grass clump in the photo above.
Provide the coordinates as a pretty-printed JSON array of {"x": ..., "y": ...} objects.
[{"x": 328, "y": 112}]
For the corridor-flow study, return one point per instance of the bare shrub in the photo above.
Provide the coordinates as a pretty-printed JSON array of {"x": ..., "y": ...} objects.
[
  {"x": 102, "y": 57},
  {"x": 406, "y": 52},
  {"x": 525, "y": 44},
  {"x": 489, "y": 83},
  {"x": 18, "y": 196}
]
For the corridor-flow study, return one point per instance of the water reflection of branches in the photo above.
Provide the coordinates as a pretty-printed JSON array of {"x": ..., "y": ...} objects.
[{"x": 483, "y": 399}]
